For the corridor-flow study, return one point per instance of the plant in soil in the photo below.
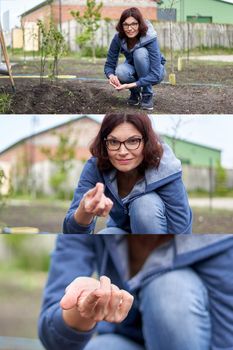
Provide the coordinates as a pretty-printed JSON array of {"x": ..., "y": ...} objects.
[
  {"x": 52, "y": 46},
  {"x": 5, "y": 102},
  {"x": 89, "y": 22}
]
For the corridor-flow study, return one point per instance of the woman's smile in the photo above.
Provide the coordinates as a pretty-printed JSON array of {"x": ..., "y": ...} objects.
[{"x": 124, "y": 161}]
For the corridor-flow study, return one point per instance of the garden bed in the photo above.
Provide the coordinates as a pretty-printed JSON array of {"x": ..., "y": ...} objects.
[{"x": 201, "y": 89}]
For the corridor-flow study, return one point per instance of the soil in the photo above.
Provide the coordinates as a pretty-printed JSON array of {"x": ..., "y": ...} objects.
[
  {"x": 47, "y": 218},
  {"x": 50, "y": 218},
  {"x": 201, "y": 89}
]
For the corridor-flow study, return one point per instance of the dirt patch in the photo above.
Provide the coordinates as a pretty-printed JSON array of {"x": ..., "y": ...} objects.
[
  {"x": 49, "y": 218},
  {"x": 200, "y": 89},
  {"x": 81, "y": 97}
]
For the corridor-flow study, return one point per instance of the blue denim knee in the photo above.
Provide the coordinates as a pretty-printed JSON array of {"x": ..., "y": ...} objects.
[
  {"x": 126, "y": 73},
  {"x": 147, "y": 214},
  {"x": 175, "y": 310},
  {"x": 141, "y": 56}
]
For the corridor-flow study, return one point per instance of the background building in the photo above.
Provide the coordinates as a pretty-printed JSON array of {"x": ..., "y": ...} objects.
[
  {"x": 59, "y": 10},
  {"x": 207, "y": 11},
  {"x": 194, "y": 154}
]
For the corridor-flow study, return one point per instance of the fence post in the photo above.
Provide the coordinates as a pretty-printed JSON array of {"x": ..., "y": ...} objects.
[{"x": 211, "y": 184}]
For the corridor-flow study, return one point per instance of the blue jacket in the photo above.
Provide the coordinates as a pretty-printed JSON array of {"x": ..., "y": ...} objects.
[
  {"x": 166, "y": 181},
  {"x": 150, "y": 42},
  {"x": 211, "y": 256}
]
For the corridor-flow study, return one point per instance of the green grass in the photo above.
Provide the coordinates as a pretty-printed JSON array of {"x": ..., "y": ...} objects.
[{"x": 5, "y": 102}]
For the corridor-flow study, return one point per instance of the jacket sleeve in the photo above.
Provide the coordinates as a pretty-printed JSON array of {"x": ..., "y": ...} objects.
[
  {"x": 178, "y": 211},
  {"x": 217, "y": 275},
  {"x": 73, "y": 256},
  {"x": 156, "y": 73},
  {"x": 88, "y": 179},
  {"x": 112, "y": 57}
]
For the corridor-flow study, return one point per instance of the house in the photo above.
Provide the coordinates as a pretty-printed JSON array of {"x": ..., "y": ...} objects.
[
  {"x": 27, "y": 166},
  {"x": 210, "y": 31},
  {"x": 208, "y": 11},
  {"x": 194, "y": 154},
  {"x": 59, "y": 11}
]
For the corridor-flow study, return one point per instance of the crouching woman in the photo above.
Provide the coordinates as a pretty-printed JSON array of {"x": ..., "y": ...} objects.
[
  {"x": 144, "y": 65},
  {"x": 134, "y": 178}
]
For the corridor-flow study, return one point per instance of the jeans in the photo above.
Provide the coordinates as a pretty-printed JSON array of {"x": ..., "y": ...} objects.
[
  {"x": 128, "y": 73},
  {"x": 175, "y": 315},
  {"x": 147, "y": 215}
]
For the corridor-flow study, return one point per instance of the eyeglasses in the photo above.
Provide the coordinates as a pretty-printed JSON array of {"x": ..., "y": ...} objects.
[
  {"x": 133, "y": 25},
  {"x": 130, "y": 144}
]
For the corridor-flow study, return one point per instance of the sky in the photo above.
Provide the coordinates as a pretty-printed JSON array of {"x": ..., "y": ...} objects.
[
  {"x": 208, "y": 130},
  {"x": 17, "y": 7}
]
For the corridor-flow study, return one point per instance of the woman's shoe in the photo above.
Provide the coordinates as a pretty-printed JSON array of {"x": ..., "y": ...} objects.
[
  {"x": 147, "y": 102},
  {"x": 135, "y": 97}
]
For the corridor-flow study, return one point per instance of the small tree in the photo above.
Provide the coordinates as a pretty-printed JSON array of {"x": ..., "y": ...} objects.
[
  {"x": 62, "y": 159},
  {"x": 90, "y": 22},
  {"x": 177, "y": 124},
  {"x": 52, "y": 45}
]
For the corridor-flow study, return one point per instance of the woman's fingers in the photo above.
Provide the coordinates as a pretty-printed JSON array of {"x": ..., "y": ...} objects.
[
  {"x": 104, "y": 209},
  {"x": 124, "y": 306},
  {"x": 86, "y": 307},
  {"x": 93, "y": 197},
  {"x": 114, "y": 81},
  {"x": 114, "y": 303},
  {"x": 96, "y": 203},
  {"x": 97, "y": 300},
  {"x": 108, "y": 207},
  {"x": 113, "y": 84},
  {"x": 104, "y": 295},
  {"x": 75, "y": 290},
  {"x": 122, "y": 87},
  {"x": 69, "y": 300}
]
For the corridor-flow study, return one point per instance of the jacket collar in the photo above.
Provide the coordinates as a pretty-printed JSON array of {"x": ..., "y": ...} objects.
[{"x": 169, "y": 168}]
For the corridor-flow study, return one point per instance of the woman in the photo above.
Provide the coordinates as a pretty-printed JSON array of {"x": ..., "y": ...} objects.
[
  {"x": 134, "y": 178},
  {"x": 144, "y": 65},
  {"x": 182, "y": 288}
]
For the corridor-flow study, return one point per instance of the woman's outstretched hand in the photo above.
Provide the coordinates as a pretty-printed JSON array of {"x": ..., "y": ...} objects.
[
  {"x": 114, "y": 81},
  {"x": 118, "y": 86},
  {"x": 88, "y": 301},
  {"x": 93, "y": 203}
]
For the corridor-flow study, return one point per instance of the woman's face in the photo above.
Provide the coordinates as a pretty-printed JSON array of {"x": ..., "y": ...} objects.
[
  {"x": 129, "y": 155},
  {"x": 131, "y": 27}
]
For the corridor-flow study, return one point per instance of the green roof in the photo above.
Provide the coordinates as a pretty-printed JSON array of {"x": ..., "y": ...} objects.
[{"x": 192, "y": 143}]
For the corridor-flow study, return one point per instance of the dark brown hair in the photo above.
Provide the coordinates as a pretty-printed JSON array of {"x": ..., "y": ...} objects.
[
  {"x": 152, "y": 151},
  {"x": 135, "y": 13}
]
